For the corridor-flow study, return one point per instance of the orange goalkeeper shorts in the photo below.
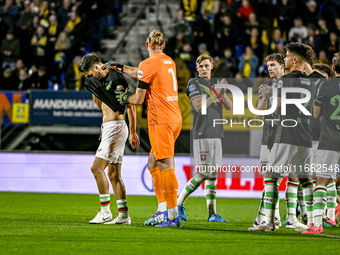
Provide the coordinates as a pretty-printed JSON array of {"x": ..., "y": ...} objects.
[{"x": 162, "y": 139}]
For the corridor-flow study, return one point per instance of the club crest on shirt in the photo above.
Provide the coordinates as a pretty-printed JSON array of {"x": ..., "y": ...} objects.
[
  {"x": 140, "y": 74},
  {"x": 192, "y": 87}
]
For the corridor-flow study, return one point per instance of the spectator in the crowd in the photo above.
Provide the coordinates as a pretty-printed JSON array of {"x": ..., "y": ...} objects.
[
  {"x": 230, "y": 61},
  {"x": 9, "y": 12},
  {"x": 26, "y": 17},
  {"x": 63, "y": 13},
  {"x": 332, "y": 46},
  {"x": 337, "y": 26},
  {"x": 44, "y": 11},
  {"x": 202, "y": 34},
  {"x": 226, "y": 35},
  {"x": 185, "y": 54},
  {"x": 191, "y": 9},
  {"x": 183, "y": 75},
  {"x": 52, "y": 29},
  {"x": 79, "y": 36},
  {"x": 180, "y": 24},
  {"x": 175, "y": 43},
  {"x": 281, "y": 49},
  {"x": 244, "y": 12},
  {"x": 220, "y": 69},
  {"x": 322, "y": 58},
  {"x": 277, "y": 39},
  {"x": 42, "y": 82},
  {"x": 203, "y": 49},
  {"x": 3, "y": 29},
  {"x": 265, "y": 12},
  {"x": 248, "y": 63},
  {"x": 322, "y": 30},
  {"x": 330, "y": 11},
  {"x": 255, "y": 43},
  {"x": 223, "y": 10},
  {"x": 8, "y": 80},
  {"x": 252, "y": 24},
  {"x": 10, "y": 50},
  {"x": 73, "y": 77},
  {"x": 299, "y": 32},
  {"x": 73, "y": 21},
  {"x": 310, "y": 15},
  {"x": 38, "y": 43},
  {"x": 20, "y": 65},
  {"x": 285, "y": 13},
  {"x": 209, "y": 9},
  {"x": 61, "y": 47},
  {"x": 313, "y": 40},
  {"x": 24, "y": 80},
  {"x": 241, "y": 82}
]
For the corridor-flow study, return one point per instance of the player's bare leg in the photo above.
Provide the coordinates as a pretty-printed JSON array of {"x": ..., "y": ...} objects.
[
  {"x": 114, "y": 173},
  {"x": 97, "y": 169}
]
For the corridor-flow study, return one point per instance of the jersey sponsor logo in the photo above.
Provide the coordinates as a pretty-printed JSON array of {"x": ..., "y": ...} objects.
[
  {"x": 192, "y": 88},
  {"x": 172, "y": 98},
  {"x": 108, "y": 86},
  {"x": 140, "y": 74},
  {"x": 167, "y": 61},
  {"x": 305, "y": 81}
]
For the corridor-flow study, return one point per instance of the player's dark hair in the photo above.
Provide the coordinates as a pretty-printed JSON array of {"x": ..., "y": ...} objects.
[
  {"x": 323, "y": 68},
  {"x": 203, "y": 57},
  {"x": 275, "y": 57},
  {"x": 310, "y": 57},
  {"x": 298, "y": 49},
  {"x": 88, "y": 61},
  {"x": 336, "y": 62}
]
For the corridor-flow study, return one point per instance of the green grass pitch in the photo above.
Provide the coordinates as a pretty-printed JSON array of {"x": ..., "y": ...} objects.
[{"x": 37, "y": 223}]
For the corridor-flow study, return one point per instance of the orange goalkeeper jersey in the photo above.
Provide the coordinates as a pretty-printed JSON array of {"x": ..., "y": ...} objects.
[{"x": 159, "y": 72}]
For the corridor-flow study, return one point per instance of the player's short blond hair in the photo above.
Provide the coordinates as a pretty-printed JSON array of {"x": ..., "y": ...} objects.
[
  {"x": 203, "y": 57},
  {"x": 155, "y": 39}
]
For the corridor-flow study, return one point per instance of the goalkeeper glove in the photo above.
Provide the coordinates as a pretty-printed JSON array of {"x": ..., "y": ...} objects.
[
  {"x": 123, "y": 96},
  {"x": 114, "y": 66}
]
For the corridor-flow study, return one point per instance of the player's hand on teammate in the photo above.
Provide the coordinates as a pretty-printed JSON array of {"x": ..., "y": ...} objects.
[
  {"x": 114, "y": 66},
  {"x": 123, "y": 95},
  {"x": 134, "y": 140}
]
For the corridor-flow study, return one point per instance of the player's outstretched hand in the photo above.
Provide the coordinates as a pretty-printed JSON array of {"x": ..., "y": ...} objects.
[
  {"x": 134, "y": 140},
  {"x": 123, "y": 96},
  {"x": 113, "y": 66}
]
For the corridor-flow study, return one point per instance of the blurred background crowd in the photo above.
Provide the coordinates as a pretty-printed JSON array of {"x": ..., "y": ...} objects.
[{"x": 42, "y": 41}]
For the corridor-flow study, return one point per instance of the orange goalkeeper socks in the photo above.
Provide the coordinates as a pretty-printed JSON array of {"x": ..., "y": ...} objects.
[
  {"x": 157, "y": 184},
  {"x": 170, "y": 185}
]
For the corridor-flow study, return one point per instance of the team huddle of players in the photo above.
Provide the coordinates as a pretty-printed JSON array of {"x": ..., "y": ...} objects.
[
  {"x": 312, "y": 141},
  {"x": 311, "y": 148}
]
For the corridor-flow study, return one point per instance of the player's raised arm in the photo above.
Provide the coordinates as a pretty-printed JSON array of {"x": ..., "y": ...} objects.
[{"x": 129, "y": 70}]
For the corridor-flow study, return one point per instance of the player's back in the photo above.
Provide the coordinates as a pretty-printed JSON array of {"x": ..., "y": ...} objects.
[
  {"x": 159, "y": 71},
  {"x": 329, "y": 93}
]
